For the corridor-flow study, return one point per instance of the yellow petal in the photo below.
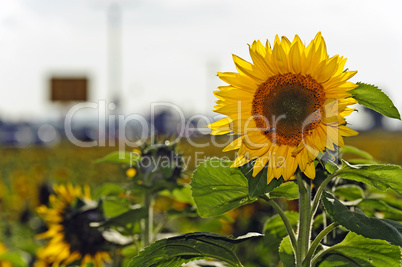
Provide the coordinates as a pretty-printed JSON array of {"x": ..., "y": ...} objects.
[
  {"x": 285, "y": 44},
  {"x": 279, "y": 59},
  {"x": 260, "y": 164},
  {"x": 346, "y": 131},
  {"x": 233, "y": 145},
  {"x": 239, "y": 81},
  {"x": 256, "y": 140},
  {"x": 290, "y": 167},
  {"x": 240, "y": 161},
  {"x": 326, "y": 69},
  {"x": 247, "y": 69},
  {"x": 310, "y": 170},
  {"x": 220, "y": 127},
  {"x": 295, "y": 58},
  {"x": 261, "y": 63},
  {"x": 259, "y": 48},
  {"x": 233, "y": 94}
]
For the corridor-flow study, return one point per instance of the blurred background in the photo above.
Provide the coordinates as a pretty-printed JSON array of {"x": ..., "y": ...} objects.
[
  {"x": 135, "y": 53},
  {"x": 125, "y": 56}
]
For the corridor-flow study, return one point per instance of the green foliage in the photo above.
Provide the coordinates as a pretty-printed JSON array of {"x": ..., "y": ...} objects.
[
  {"x": 120, "y": 157},
  {"x": 177, "y": 250},
  {"x": 289, "y": 190},
  {"x": 114, "y": 206},
  {"x": 133, "y": 215},
  {"x": 356, "y": 250},
  {"x": 108, "y": 189},
  {"x": 275, "y": 230},
  {"x": 12, "y": 257},
  {"x": 381, "y": 176},
  {"x": 217, "y": 188},
  {"x": 349, "y": 192},
  {"x": 257, "y": 185},
  {"x": 182, "y": 194},
  {"x": 359, "y": 223},
  {"x": 330, "y": 166},
  {"x": 286, "y": 253},
  {"x": 379, "y": 205},
  {"x": 355, "y": 151},
  {"x": 370, "y": 96},
  {"x": 159, "y": 168},
  {"x": 19, "y": 237},
  {"x": 274, "y": 226}
]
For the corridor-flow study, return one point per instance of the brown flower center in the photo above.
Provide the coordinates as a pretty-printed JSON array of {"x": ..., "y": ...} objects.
[{"x": 287, "y": 106}]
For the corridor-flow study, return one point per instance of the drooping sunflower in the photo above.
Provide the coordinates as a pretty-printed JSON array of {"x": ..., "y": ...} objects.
[
  {"x": 288, "y": 105},
  {"x": 72, "y": 239}
]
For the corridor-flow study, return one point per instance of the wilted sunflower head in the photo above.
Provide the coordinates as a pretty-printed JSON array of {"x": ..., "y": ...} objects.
[
  {"x": 71, "y": 238},
  {"x": 160, "y": 165},
  {"x": 287, "y": 106}
]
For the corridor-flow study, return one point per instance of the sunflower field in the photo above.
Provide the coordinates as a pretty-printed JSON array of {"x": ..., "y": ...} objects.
[{"x": 294, "y": 184}]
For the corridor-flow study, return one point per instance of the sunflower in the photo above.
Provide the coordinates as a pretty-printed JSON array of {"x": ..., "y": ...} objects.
[
  {"x": 287, "y": 106},
  {"x": 68, "y": 219}
]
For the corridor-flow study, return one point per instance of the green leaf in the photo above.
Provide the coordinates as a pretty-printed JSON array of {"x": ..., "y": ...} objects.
[
  {"x": 355, "y": 151},
  {"x": 362, "y": 161},
  {"x": 381, "y": 206},
  {"x": 380, "y": 176},
  {"x": 337, "y": 260},
  {"x": 108, "y": 189},
  {"x": 355, "y": 250},
  {"x": 131, "y": 216},
  {"x": 318, "y": 221},
  {"x": 274, "y": 228},
  {"x": 275, "y": 231},
  {"x": 288, "y": 190},
  {"x": 359, "y": 223},
  {"x": 120, "y": 157},
  {"x": 114, "y": 206},
  {"x": 177, "y": 250},
  {"x": 182, "y": 194},
  {"x": 217, "y": 188},
  {"x": 286, "y": 253},
  {"x": 371, "y": 97},
  {"x": 330, "y": 166},
  {"x": 349, "y": 192},
  {"x": 187, "y": 212},
  {"x": 257, "y": 185},
  {"x": 13, "y": 258},
  {"x": 390, "y": 196}
]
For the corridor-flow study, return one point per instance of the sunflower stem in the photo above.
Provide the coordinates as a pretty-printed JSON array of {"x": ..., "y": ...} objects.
[
  {"x": 285, "y": 220},
  {"x": 304, "y": 230},
  {"x": 148, "y": 198},
  {"x": 319, "y": 192},
  {"x": 318, "y": 239},
  {"x": 116, "y": 259}
]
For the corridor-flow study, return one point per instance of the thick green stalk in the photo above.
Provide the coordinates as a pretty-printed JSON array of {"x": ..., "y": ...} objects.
[
  {"x": 148, "y": 222},
  {"x": 319, "y": 192},
  {"x": 317, "y": 241},
  {"x": 116, "y": 260},
  {"x": 285, "y": 220},
  {"x": 304, "y": 230},
  {"x": 320, "y": 254}
]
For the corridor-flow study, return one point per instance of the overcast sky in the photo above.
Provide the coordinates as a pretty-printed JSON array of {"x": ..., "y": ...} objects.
[{"x": 172, "y": 49}]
